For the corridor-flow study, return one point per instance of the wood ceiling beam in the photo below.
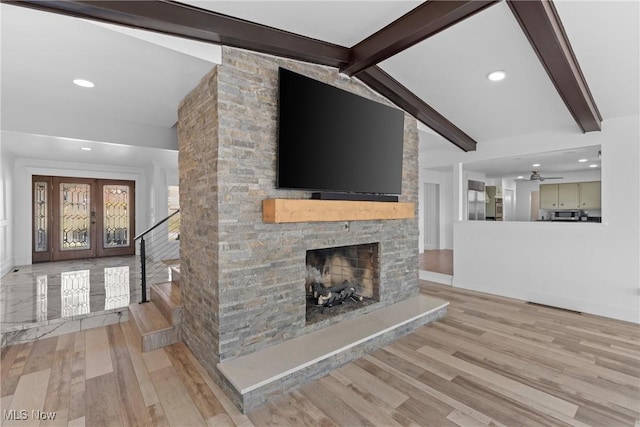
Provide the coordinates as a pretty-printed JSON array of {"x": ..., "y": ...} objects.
[
  {"x": 190, "y": 22},
  {"x": 424, "y": 21},
  {"x": 387, "y": 86},
  {"x": 541, "y": 24}
]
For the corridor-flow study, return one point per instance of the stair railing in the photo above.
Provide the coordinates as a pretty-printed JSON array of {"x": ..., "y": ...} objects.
[{"x": 159, "y": 249}]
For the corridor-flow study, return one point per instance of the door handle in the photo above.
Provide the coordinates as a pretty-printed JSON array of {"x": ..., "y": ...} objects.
[{"x": 93, "y": 217}]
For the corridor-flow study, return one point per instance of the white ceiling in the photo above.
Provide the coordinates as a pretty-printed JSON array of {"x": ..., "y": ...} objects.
[
  {"x": 336, "y": 21},
  {"x": 140, "y": 79}
]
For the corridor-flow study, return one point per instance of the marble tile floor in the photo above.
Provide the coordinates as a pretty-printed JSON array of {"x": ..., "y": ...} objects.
[{"x": 49, "y": 299}]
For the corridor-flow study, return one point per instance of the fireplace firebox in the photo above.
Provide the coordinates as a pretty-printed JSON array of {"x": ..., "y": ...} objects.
[{"x": 341, "y": 279}]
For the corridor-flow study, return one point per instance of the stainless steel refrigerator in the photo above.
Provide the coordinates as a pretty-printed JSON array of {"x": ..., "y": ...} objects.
[{"x": 476, "y": 201}]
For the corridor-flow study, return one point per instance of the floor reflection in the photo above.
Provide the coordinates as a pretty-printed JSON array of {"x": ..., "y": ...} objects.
[
  {"x": 75, "y": 292},
  {"x": 116, "y": 287},
  {"x": 49, "y": 291}
]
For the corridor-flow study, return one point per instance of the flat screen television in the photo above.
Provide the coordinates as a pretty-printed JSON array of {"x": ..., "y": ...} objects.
[{"x": 331, "y": 140}]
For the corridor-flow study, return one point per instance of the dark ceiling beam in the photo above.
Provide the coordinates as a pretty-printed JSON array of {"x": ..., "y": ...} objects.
[
  {"x": 187, "y": 21},
  {"x": 190, "y": 22},
  {"x": 541, "y": 24},
  {"x": 387, "y": 86},
  {"x": 424, "y": 21}
]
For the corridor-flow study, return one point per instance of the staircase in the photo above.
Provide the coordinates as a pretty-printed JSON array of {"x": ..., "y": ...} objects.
[{"x": 156, "y": 324}]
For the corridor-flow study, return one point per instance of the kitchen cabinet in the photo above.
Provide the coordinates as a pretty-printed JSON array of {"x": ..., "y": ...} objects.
[
  {"x": 549, "y": 196},
  {"x": 568, "y": 196},
  {"x": 590, "y": 195},
  {"x": 494, "y": 191},
  {"x": 576, "y": 195}
]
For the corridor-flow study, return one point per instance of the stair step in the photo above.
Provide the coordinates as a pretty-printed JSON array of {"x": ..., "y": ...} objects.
[
  {"x": 152, "y": 328},
  {"x": 168, "y": 298}
]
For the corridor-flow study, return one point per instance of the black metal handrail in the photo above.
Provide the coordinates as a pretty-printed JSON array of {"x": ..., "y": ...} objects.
[
  {"x": 153, "y": 227},
  {"x": 143, "y": 255}
]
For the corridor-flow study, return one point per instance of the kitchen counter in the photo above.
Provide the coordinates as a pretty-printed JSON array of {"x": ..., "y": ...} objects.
[{"x": 593, "y": 220}]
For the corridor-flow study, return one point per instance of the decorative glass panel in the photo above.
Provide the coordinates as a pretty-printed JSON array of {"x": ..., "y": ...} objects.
[
  {"x": 116, "y": 216},
  {"x": 75, "y": 292},
  {"x": 116, "y": 287},
  {"x": 40, "y": 208},
  {"x": 74, "y": 216}
]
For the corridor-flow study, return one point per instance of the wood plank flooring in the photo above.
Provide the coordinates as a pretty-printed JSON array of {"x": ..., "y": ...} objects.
[
  {"x": 491, "y": 361},
  {"x": 438, "y": 261}
]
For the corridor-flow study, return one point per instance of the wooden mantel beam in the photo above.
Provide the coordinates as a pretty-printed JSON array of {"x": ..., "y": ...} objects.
[{"x": 541, "y": 24}]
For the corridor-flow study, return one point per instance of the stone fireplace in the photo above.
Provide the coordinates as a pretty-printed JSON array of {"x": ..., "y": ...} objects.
[{"x": 243, "y": 280}]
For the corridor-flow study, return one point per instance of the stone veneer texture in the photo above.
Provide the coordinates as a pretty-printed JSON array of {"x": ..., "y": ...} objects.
[{"x": 243, "y": 280}]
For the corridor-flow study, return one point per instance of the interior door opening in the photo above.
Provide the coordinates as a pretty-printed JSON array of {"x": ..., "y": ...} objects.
[{"x": 431, "y": 216}]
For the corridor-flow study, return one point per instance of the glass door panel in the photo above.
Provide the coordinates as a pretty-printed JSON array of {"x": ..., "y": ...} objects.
[
  {"x": 115, "y": 227},
  {"x": 74, "y": 218},
  {"x": 75, "y": 213},
  {"x": 116, "y": 217},
  {"x": 41, "y": 224}
]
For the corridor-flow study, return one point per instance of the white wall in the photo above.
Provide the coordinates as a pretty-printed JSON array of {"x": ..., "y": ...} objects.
[
  {"x": 6, "y": 214},
  {"x": 30, "y": 119},
  {"x": 24, "y": 169},
  {"x": 158, "y": 196},
  {"x": 593, "y": 268}
]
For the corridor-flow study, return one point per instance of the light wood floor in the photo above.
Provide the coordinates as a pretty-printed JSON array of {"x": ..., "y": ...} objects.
[
  {"x": 492, "y": 361},
  {"x": 439, "y": 261}
]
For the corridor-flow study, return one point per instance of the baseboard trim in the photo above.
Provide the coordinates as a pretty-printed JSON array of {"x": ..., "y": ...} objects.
[
  {"x": 6, "y": 267},
  {"x": 432, "y": 276}
]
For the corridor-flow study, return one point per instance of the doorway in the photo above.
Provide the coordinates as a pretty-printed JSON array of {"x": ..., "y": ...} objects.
[
  {"x": 75, "y": 218},
  {"x": 431, "y": 216},
  {"x": 534, "y": 206}
]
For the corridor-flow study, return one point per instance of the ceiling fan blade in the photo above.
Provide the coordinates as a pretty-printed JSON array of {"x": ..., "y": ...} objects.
[{"x": 553, "y": 177}]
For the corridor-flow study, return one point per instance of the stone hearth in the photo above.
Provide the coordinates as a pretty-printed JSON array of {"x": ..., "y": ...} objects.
[{"x": 243, "y": 279}]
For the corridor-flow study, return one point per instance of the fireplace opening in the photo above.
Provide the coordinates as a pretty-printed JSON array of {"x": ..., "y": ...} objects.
[{"x": 341, "y": 279}]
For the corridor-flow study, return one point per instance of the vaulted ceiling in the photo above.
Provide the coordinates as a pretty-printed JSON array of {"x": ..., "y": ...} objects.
[{"x": 569, "y": 64}]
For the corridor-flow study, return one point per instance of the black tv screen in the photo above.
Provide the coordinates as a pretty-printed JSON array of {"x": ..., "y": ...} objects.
[{"x": 335, "y": 141}]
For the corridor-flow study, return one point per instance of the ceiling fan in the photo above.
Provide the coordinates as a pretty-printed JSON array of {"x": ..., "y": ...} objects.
[{"x": 535, "y": 176}]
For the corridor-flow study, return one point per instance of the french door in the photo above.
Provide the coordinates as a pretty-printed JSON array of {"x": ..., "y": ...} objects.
[{"x": 77, "y": 218}]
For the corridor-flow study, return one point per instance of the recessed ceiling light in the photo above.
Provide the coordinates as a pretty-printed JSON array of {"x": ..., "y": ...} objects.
[
  {"x": 583, "y": 160},
  {"x": 520, "y": 177},
  {"x": 86, "y": 148},
  {"x": 593, "y": 166},
  {"x": 83, "y": 83},
  {"x": 496, "y": 76},
  {"x": 535, "y": 165}
]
